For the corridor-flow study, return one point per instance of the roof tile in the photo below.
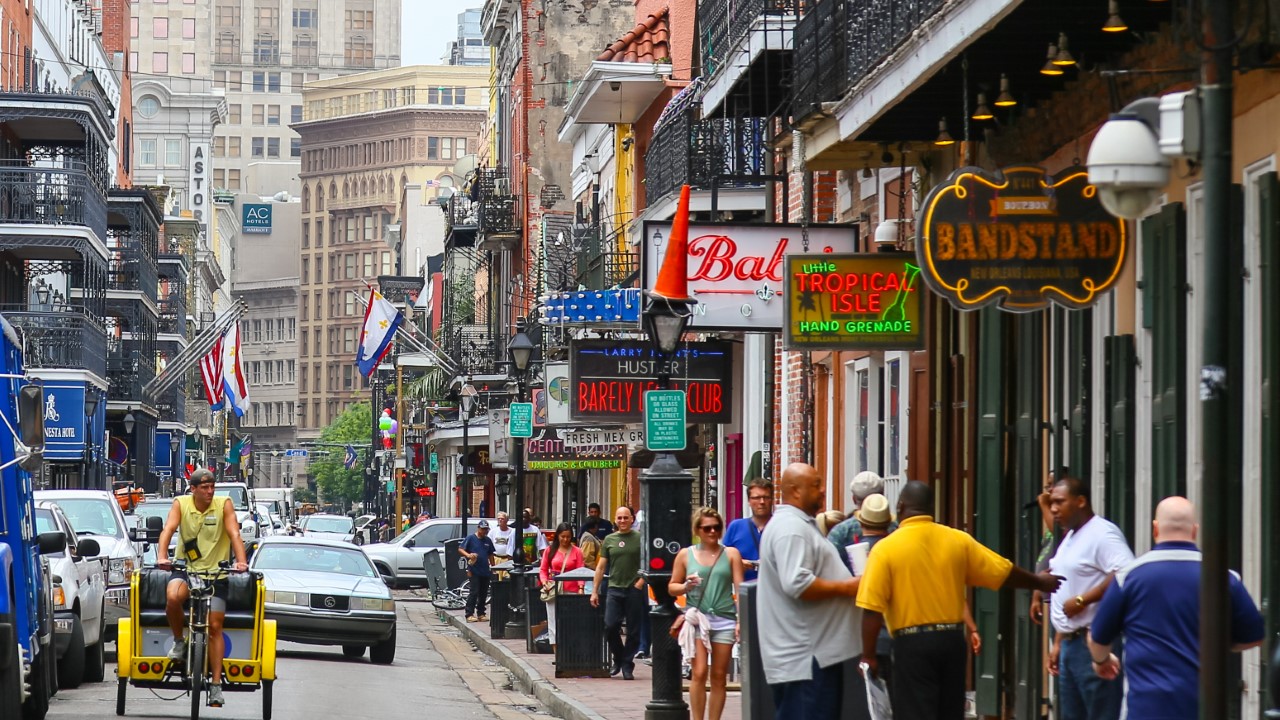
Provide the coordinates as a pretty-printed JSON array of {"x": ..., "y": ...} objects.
[{"x": 647, "y": 42}]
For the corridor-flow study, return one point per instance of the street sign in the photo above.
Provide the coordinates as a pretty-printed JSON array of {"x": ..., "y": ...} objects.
[
  {"x": 610, "y": 436},
  {"x": 521, "y": 422},
  {"x": 664, "y": 420},
  {"x": 391, "y": 486},
  {"x": 295, "y": 453},
  {"x": 434, "y": 464}
]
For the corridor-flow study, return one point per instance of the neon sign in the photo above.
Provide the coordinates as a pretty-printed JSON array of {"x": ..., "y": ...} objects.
[
  {"x": 1019, "y": 238},
  {"x": 609, "y": 378},
  {"x": 852, "y": 301}
]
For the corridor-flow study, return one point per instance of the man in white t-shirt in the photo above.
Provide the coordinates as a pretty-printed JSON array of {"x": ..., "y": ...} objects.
[
  {"x": 1089, "y": 556},
  {"x": 502, "y": 537}
]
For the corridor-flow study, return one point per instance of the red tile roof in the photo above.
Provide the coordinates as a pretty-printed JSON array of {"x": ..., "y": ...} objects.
[{"x": 647, "y": 42}]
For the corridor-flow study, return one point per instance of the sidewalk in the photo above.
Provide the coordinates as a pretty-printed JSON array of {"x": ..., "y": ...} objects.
[{"x": 568, "y": 698}]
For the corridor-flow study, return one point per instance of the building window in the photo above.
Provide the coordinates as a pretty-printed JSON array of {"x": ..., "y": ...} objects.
[
  {"x": 273, "y": 114},
  {"x": 188, "y": 29},
  {"x": 349, "y": 265},
  {"x": 148, "y": 106},
  {"x": 258, "y": 148},
  {"x": 304, "y": 18},
  {"x": 228, "y": 47},
  {"x": 446, "y": 148},
  {"x": 349, "y": 304},
  {"x": 293, "y": 328},
  {"x": 160, "y": 63},
  {"x": 173, "y": 153},
  {"x": 271, "y": 378},
  {"x": 280, "y": 330},
  {"x": 295, "y": 112},
  {"x": 257, "y": 331},
  {"x": 189, "y": 63},
  {"x": 358, "y": 52},
  {"x": 266, "y": 49},
  {"x": 359, "y": 20},
  {"x": 133, "y": 62},
  {"x": 219, "y": 147},
  {"x": 386, "y": 263},
  {"x": 147, "y": 152},
  {"x": 259, "y": 113},
  {"x": 348, "y": 377},
  {"x": 233, "y": 114},
  {"x": 295, "y": 147},
  {"x": 348, "y": 341},
  {"x": 273, "y": 147},
  {"x": 233, "y": 179},
  {"x": 233, "y": 147},
  {"x": 447, "y": 96},
  {"x": 460, "y": 146},
  {"x": 433, "y": 148},
  {"x": 259, "y": 81},
  {"x": 273, "y": 82},
  {"x": 305, "y": 51},
  {"x": 160, "y": 28},
  {"x": 267, "y": 17},
  {"x": 229, "y": 16},
  {"x": 256, "y": 372},
  {"x": 133, "y": 27}
]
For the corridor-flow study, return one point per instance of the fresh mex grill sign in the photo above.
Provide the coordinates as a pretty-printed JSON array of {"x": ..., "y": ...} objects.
[
  {"x": 609, "y": 378},
  {"x": 854, "y": 302},
  {"x": 1019, "y": 238},
  {"x": 547, "y": 451}
]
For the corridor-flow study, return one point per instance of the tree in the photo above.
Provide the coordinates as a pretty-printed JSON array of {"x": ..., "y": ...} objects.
[
  {"x": 304, "y": 495},
  {"x": 335, "y": 483}
]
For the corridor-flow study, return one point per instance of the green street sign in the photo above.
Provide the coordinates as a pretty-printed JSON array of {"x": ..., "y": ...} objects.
[
  {"x": 391, "y": 486},
  {"x": 664, "y": 420},
  {"x": 521, "y": 423},
  {"x": 435, "y": 463}
]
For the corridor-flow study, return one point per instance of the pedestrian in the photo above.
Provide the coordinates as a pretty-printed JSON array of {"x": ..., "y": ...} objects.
[
  {"x": 602, "y": 525},
  {"x": 709, "y": 575},
  {"x": 916, "y": 582},
  {"x": 589, "y": 544},
  {"x": 744, "y": 534},
  {"x": 534, "y": 542},
  {"x": 477, "y": 549},
  {"x": 503, "y": 537},
  {"x": 625, "y": 594},
  {"x": 1090, "y": 554},
  {"x": 808, "y": 622},
  {"x": 558, "y": 559},
  {"x": 1155, "y": 602},
  {"x": 828, "y": 519},
  {"x": 849, "y": 532}
]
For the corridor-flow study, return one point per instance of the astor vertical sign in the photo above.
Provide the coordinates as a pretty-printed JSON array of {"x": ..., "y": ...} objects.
[
  {"x": 198, "y": 184},
  {"x": 1019, "y": 238}
]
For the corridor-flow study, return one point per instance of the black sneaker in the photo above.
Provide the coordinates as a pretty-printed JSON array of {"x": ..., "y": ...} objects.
[
  {"x": 617, "y": 668},
  {"x": 629, "y": 671}
]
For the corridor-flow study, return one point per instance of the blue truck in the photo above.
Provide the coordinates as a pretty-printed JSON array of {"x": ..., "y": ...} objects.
[{"x": 28, "y": 667}]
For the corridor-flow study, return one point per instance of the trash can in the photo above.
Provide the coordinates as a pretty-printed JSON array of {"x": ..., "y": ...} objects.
[
  {"x": 581, "y": 647},
  {"x": 500, "y": 601},
  {"x": 455, "y": 566},
  {"x": 535, "y": 612}
]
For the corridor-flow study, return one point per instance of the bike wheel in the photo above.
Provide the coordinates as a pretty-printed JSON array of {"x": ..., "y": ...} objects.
[
  {"x": 122, "y": 688},
  {"x": 195, "y": 669},
  {"x": 266, "y": 699}
]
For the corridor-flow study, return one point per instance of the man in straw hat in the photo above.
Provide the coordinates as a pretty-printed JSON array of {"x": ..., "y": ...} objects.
[{"x": 850, "y": 532}]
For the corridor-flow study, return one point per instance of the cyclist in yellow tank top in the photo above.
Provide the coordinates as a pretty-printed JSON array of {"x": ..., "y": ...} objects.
[{"x": 208, "y": 533}]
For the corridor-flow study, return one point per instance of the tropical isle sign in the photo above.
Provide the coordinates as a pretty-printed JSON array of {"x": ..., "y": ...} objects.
[
  {"x": 1019, "y": 238},
  {"x": 847, "y": 301}
]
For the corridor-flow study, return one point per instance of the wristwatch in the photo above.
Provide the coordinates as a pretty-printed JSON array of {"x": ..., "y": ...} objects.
[{"x": 1080, "y": 600}]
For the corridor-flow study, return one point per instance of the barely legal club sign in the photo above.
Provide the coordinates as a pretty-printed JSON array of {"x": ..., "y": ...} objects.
[
  {"x": 609, "y": 379},
  {"x": 1020, "y": 238},
  {"x": 854, "y": 302}
]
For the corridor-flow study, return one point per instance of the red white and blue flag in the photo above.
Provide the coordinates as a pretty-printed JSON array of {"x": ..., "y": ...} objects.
[
  {"x": 381, "y": 319},
  {"x": 234, "y": 383},
  {"x": 211, "y": 375}
]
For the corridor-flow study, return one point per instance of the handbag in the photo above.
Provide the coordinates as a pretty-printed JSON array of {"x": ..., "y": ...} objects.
[{"x": 548, "y": 591}]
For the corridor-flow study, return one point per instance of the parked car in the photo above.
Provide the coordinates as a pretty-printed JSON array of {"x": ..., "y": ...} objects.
[
  {"x": 273, "y": 525},
  {"x": 326, "y": 592},
  {"x": 331, "y": 527},
  {"x": 247, "y": 515},
  {"x": 96, "y": 514},
  {"x": 400, "y": 559},
  {"x": 79, "y": 600},
  {"x": 151, "y": 507}
]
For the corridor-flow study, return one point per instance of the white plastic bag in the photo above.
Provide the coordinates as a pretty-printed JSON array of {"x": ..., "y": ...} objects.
[{"x": 878, "y": 706}]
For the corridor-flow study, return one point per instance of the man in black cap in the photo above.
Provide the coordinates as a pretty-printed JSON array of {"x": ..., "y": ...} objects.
[{"x": 477, "y": 549}]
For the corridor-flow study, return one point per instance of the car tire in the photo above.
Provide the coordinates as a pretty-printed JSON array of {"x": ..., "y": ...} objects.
[
  {"x": 384, "y": 653},
  {"x": 37, "y": 704},
  {"x": 10, "y": 678},
  {"x": 352, "y": 652},
  {"x": 71, "y": 666},
  {"x": 95, "y": 660}
]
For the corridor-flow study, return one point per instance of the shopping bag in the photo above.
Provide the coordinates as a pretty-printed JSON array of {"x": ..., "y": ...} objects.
[{"x": 878, "y": 706}]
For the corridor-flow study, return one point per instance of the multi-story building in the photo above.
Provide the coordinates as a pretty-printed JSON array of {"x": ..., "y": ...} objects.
[
  {"x": 469, "y": 48},
  {"x": 175, "y": 122},
  {"x": 365, "y": 139},
  {"x": 15, "y": 43},
  {"x": 263, "y": 53}
]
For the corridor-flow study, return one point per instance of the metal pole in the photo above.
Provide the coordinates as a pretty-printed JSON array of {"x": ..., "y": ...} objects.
[
  {"x": 516, "y": 620},
  {"x": 464, "y": 488},
  {"x": 400, "y": 443},
  {"x": 1216, "y": 96}
]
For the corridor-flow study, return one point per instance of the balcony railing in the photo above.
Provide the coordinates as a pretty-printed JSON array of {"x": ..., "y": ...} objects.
[
  {"x": 51, "y": 196},
  {"x": 877, "y": 28},
  {"x": 472, "y": 348},
  {"x": 128, "y": 371},
  {"x": 601, "y": 264},
  {"x": 65, "y": 339},
  {"x": 498, "y": 210},
  {"x": 725, "y": 24},
  {"x": 133, "y": 270},
  {"x": 173, "y": 317},
  {"x": 729, "y": 152},
  {"x": 821, "y": 60}
]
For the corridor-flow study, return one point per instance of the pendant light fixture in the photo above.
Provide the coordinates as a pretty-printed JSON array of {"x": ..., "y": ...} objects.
[
  {"x": 982, "y": 111},
  {"x": 1005, "y": 98},
  {"x": 1064, "y": 57},
  {"x": 1115, "y": 23},
  {"x": 944, "y": 137},
  {"x": 1049, "y": 68}
]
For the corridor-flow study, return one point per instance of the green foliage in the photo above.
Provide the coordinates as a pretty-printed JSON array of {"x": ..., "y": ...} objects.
[
  {"x": 337, "y": 484},
  {"x": 433, "y": 386},
  {"x": 304, "y": 495}
]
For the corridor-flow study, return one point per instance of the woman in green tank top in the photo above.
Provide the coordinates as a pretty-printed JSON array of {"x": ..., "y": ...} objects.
[{"x": 709, "y": 574}]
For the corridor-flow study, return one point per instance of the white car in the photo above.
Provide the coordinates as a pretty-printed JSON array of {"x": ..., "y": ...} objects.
[
  {"x": 96, "y": 514},
  {"x": 401, "y": 559},
  {"x": 79, "y": 600},
  {"x": 273, "y": 525},
  {"x": 246, "y": 513}
]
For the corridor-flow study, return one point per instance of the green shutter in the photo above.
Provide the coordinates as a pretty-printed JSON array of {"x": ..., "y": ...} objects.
[
  {"x": 1269, "y": 224},
  {"x": 990, "y": 501},
  {"x": 1029, "y": 482},
  {"x": 1164, "y": 288},
  {"x": 1079, "y": 382},
  {"x": 1119, "y": 351}
]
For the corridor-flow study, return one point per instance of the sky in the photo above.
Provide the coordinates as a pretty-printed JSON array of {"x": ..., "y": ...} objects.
[{"x": 428, "y": 26}]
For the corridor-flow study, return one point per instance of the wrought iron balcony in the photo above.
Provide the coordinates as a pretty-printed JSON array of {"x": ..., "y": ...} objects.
[
  {"x": 725, "y": 28},
  {"x": 128, "y": 371},
  {"x": 877, "y": 28},
  {"x": 472, "y": 348},
  {"x": 31, "y": 195},
  {"x": 132, "y": 270},
  {"x": 63, "y": 339},
  {"x": 821, "y": 60},
  {"x": 729, "y": 152},
  {"x": 602, "y": 264},
  {"x": 498, "y": 211},
  {"x": 461, "y": 220},
  {"x": 173, "y": 317}
]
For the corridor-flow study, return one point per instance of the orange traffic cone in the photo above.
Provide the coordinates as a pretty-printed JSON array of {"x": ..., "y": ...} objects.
[{"x": 673, "y": 278}]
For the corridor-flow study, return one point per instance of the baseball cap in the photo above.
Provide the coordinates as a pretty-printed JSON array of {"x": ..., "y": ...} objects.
[
  {"x": 483, "y": 524},
  {"x": 874, "y": 511},
  {"x": 865, "y": 483}
]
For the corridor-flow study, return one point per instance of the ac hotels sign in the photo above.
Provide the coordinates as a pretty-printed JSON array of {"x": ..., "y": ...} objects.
[{"x": 736, "y": 271}]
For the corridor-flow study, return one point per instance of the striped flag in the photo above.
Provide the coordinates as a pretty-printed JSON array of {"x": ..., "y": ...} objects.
[
  {"x": 234, "y": 383},
  {"x": 211, "y": 375}
]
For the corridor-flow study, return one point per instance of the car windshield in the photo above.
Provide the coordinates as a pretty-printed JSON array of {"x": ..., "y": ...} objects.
[
  {"x": 329, "y": 524},
  {"x": 45, "y": 522},
  {"x": 91, "y": 516},
  {"x": 152, "y": 509},
  {"x": 314, "y": 558},
  {"x": 239, "y": 496}
]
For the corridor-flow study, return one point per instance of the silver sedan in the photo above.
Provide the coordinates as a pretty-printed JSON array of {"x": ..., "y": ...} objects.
[{"x": 327, "y": 592}]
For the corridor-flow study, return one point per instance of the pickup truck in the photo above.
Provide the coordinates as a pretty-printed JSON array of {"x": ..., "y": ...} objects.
[
  {"x": 79, "y": 600},
  {"x": 28, "y": 670}
]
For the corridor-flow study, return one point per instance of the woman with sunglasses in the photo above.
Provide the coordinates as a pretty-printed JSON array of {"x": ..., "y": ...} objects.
[{"x": 709, "y": 574}]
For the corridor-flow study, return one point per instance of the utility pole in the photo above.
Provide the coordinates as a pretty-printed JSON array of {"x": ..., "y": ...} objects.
[{"x": 1216, "y": 98}]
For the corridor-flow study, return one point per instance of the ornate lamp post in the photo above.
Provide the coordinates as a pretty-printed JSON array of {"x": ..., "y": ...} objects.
[
  {"x": 466, "y": 399},
  {"x": 129, "y": 424},
  {"x": 520, "y": 350}
]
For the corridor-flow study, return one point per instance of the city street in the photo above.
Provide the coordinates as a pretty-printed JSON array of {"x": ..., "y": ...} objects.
[{"x": 435, "y": 671}]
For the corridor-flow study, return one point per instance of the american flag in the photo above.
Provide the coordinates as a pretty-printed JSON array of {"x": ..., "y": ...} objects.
[{"x": 211, "y": 375}]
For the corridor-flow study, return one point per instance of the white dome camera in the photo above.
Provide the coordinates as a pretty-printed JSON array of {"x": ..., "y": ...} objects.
[{"x": 1125, "y": 161}]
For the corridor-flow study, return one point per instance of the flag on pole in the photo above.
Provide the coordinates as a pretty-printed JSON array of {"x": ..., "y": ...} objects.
[
  {"x": 234, "y": 383},
  {"x": 381, "y": 320},
  {"x": 211, "y": 375},
  {"x": 350, "y": 461}
]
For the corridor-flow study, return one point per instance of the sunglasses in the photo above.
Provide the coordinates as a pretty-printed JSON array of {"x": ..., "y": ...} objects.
[{"x": 710, "y": 528}]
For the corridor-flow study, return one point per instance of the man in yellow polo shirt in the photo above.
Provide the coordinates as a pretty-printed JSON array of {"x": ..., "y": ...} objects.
[{"x": 916, "y": 581}]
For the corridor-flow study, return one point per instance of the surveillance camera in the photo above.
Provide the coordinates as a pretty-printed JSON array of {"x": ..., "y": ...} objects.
[{"x": 1125, "y": 161}]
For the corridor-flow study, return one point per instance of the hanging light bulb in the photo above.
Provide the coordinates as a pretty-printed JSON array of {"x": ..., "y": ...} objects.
[
  {"x": 1006, "y": 98},
  {"x": 1063, "y": 58},
  {"x": 944, "y": 137},
  {"x": 982, "y": 112},
  {"x": 1115, "y": 23},
  {"x": 1049, "y": 68}
]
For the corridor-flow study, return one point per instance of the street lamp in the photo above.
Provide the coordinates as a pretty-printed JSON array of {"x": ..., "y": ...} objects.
[
  {"x": 129, "y": 424},
  {"x": 664, "y": 495},
  {"x": 175, "y": 441},
  {"x": 466, "y": 398},
  {"x": 520, "y": 350}
]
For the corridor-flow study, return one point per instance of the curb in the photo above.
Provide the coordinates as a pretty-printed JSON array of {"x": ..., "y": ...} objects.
[{"x": 527, "y": 678}]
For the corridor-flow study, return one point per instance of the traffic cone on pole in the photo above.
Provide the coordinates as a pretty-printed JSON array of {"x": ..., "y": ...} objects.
[{"x": 673, "y": 277}]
